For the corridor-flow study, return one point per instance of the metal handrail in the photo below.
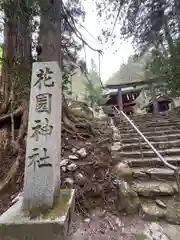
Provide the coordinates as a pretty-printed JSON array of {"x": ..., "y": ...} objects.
[{"x": 147, "y": 141}]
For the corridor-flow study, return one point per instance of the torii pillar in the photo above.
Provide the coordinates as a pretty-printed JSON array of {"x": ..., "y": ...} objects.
[
  {"x": 153, "y": 96},
  {"x": 120, "y": 100}
]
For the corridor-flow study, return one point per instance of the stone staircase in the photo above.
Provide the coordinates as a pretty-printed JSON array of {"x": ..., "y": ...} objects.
[{"x": 152, "y": 180}]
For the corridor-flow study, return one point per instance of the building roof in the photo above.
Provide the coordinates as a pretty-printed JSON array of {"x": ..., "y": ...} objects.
[
  {"x": 159, "y": 98},
  {"x": 124, "y": 90},
  {"x": 131, "y": 84},
  {"x": 135, "y": 84}
]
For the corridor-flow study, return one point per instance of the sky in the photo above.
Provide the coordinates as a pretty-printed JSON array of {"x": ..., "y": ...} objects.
[{"x": 114, "y": 55}]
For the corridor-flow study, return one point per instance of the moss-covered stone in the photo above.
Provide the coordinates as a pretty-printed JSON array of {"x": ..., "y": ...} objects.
[
  {"x": 140, "y": 236},
  {"x": 60, "y": 207},
  {"x": 123, "y": 171},
  {"x": 128, "y": 199}
]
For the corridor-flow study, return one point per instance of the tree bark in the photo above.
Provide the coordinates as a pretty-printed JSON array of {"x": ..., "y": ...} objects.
[
  {"x": 177, "y": 12},
  {"x": 16, "y": 50},
  {"x": 50, "y": 39},
  {"x": 51, "y": 49},
  {"x": 50, "y": 31},
  {"x": 16, "y": 67},
  {"x": 7, "y": 61},
  {"x": 168, "y": 35}
]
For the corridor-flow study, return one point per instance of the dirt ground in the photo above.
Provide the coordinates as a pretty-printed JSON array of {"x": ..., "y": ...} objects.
[
  {"x": 91, "y": 177},
  {"x": 102, "y": 225}
]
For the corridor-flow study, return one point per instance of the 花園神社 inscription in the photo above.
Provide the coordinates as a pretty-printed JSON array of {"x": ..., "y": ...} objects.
[{"x": 43, "y": 151}]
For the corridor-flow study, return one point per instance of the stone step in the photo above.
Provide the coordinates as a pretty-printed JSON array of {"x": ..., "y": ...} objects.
[
  {"x": 129, "y": 134},
  {"x": 161, "y": 209},
  {"x": 150, "y": 121},
  {"x": 161, "y": 138},
  {"x": 153, "y": 162},
  {"x": 153, "y": 173},
  {"x": 155, "y": 188},
  {"x": 142, "y": 118},
  {"x": 158, "y": 145},
  {"x": 152, "y": 211},
  {"x": 147, "y": 153},
  {"x": 150, "y": 129},
  {"x": 157, "y": 116},
  {"x": 145, "y": 125},
  {"x": 150, "y": 118}
]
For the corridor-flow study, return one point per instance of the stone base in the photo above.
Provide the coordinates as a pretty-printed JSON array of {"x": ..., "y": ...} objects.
[{"x": 52, "y": 224}]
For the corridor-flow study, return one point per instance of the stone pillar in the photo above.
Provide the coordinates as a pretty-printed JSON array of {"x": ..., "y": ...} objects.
[
  {"x": 120, "y": 100},
  {"x": 43, "y": 150},
  {"x": 153, "y": 97}
]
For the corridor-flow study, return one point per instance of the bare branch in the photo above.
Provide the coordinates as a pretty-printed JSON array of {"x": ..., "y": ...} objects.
[{"x": 75, "y": 30}]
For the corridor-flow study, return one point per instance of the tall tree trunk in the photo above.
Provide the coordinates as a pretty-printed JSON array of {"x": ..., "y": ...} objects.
[
  {"x": 50, "y": 37},
  {"x": 168, "y": 35},
  {"x": 50, "y": 31},
  {"x": 16, "y": 49},
  {"x": 8, "y": 52},
  {"x": 50, "y": 44},
  {"x": 177, "y": 12}
]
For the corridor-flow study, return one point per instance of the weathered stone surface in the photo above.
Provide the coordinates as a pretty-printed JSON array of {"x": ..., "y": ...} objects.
[
  {"x": 173, "y": 212},
  {"x": 153, "y": 162},
  {"x": 72, "y": 167},
  {"x": 152, "y": 211},
  {"x": 150, "y": 128},
  {"x": 128, "y": 200},
  {"x": 64, "y": 162},
  {"x": 116, "y": 146},
  {"x": 169, "y": 213},
  {"x": 80, "y": 178},
  {"x": 63, "y": 168},
  {"x": 149, "y": 153},
  {"x": 160, "y": 173},
  {"x": 158, "y": 145},
  {"x": 69, "y": 182},
  {"x": 74, "y": 150},
  {"x": 171, "y": 231},
  {"x": 152, "y": 178},
  {"x": 53, "y": 224},
  {"x": 148, "y": 134},
  {"x": 160, "y": 203},
  {"x": 117, "y": 137},
  {"x": 160, "y": 138},
  {"x": 123, "y": 171},
  {"x": 155, "y": 232},
  {"x": 43, "y": 151},
  {"x": 154, "y": 188},
  {"x": 73, "y": 157},
  {"x": 82, "y": 152}
]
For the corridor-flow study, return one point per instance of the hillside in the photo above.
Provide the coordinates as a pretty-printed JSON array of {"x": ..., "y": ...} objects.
[
  {"x": 78, "y": 83},
  {"x": 131, "y": 72}
]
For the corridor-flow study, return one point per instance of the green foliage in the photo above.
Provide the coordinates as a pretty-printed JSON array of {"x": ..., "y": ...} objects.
[
  {"x": 72, "y": 12},
  {"x": 94, "y": 95},
  {"x": 93, "y": 89},
  {"x": 132, "y": 71},
  {"x": 80, "y": 79},
  {"x": 146, "y": 22},
  {"x": 166, "y": 68},
  {"x": 153, "y": 26}
]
